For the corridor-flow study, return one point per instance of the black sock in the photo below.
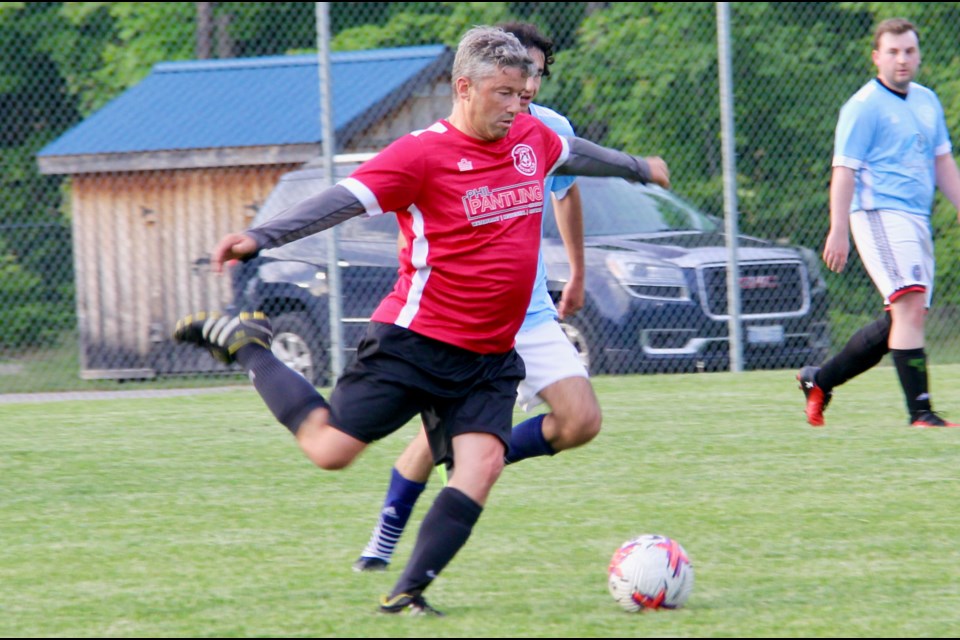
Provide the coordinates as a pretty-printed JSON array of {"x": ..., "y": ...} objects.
[
  {"x": 912, "y": 370},
  {"x": 287, "y": 394},
  {"x": 443, "y": 532},
  {"x": 864, "y": 350}
]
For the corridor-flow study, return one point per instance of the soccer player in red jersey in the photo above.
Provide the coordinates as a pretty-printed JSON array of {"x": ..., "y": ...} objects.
[
  {"x": 468, "y": 194},
  {"x": 555, "y": 375}
]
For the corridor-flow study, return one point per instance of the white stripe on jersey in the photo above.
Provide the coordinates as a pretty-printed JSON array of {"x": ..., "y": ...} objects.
[
  {"x": 436, "y": 127},
  {"x": 418, "y": 258},
  {"x": 363, "y": 194}
]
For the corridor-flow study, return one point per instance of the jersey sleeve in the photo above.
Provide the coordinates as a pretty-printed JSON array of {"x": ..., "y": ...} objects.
[
  {"x": 559, "y": 184},
  {"x": 391, "y": 180},
  {"x": 556, "y": 147},
  {"x": 942, "y": 145},
  {"x": 854, "y": 134}
]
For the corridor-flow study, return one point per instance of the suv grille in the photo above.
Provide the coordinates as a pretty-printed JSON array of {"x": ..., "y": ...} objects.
[{"x": 768, "y": 288}]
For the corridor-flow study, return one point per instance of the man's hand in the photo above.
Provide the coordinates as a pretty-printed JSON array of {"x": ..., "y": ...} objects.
[
  {"x": 836, "y": 250},
  {"x": 233, "y": 246},
  {"x": 572, "y": 299},
  {"x": 659, "y": 172}
]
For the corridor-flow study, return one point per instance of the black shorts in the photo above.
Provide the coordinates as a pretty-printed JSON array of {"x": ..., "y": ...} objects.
[{"x": 398, "y": 374}]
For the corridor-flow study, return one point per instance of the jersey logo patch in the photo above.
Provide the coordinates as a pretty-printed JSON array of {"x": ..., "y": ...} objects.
[
  {"x": 524, "y": 159},
  {"x": 485, "y": 205},
  {"x": 465, "y": 165}
]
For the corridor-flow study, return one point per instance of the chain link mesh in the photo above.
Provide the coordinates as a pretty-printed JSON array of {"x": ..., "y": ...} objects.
[{"x": 98, "y": 259}]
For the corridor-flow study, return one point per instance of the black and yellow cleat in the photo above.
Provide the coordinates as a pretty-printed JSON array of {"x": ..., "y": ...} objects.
[
  {"x": 223, "y": 335},
  {"x": 408, "y": 605}
]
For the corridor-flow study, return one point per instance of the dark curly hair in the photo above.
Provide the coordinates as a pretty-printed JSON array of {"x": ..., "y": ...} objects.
[{"x": 530, "y": 37}]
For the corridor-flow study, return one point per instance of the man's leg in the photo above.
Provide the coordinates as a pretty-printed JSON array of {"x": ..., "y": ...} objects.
[
  {"x": 294, "y": 402},
  {"x": 450, "y": 521},
  {"x": 555, "y": 375},
  {"x": 863, "y": 351},
  {"x": 907, "y": 341},
  {"x": 897, "y": 252},
  {"x": 408, "y": 479},
  {"x": 574, "y": 420}
]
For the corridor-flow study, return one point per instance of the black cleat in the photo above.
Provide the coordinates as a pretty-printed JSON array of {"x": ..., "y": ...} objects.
[
  {"x": 817, "y": 398},
  {"x": 407, "y": 605},
  {"x": 223, "y": 335},
  {"x": 365, "y": 563}
]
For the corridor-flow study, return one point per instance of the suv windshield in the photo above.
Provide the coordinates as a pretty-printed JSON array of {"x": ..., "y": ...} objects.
[{"x": 613, "y": 206}]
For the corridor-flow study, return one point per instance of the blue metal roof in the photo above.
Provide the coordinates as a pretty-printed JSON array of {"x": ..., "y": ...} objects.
[{"x": 251, "y": 101}]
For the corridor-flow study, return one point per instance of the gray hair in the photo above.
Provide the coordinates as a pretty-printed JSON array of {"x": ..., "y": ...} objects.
[{"x": 484, "y": 50}]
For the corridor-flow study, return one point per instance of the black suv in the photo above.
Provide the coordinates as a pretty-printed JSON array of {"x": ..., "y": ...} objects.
[{"x": 656, "y": 290}]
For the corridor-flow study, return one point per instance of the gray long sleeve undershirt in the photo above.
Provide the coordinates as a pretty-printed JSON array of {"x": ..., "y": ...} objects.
[
  {"x": 590, "y": 159},
  {"x": 337, "y": 204},
  {"x": 317, "y": 213}
]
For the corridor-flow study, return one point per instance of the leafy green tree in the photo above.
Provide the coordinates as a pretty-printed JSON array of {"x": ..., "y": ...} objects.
[
  {"x": 639, "y": 76},
  {"x": 35, "y": 106}
]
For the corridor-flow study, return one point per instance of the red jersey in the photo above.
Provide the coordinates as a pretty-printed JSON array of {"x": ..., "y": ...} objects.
[{"x": 470, "y": 212}]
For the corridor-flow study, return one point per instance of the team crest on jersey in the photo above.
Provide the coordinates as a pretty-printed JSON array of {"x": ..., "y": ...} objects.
[
  {"x": 524, "y": 159},
  {"x": 465, "y": 165}
]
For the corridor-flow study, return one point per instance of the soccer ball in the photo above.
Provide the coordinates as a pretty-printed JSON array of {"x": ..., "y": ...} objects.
[{"x": 650, "y": 572}]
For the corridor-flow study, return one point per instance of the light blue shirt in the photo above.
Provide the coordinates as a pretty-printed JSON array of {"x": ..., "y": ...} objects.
[
  {"x": 541, "y": 307},
  {"x": 891, "y": 144}
]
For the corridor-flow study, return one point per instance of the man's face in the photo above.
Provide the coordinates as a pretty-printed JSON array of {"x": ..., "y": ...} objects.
[
  {"x": 897, "y": 58},
  {"x": 533, "y": 82},
  {"x": 491, "y": 104}
]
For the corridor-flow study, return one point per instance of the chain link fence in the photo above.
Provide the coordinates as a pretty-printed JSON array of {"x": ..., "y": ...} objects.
[{"x": 135, "y": 134}]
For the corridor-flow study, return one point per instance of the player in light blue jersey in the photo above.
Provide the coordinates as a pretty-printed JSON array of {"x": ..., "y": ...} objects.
[
  {"x": 891, "y": 152},
  {"x": 554, "y": 373}
]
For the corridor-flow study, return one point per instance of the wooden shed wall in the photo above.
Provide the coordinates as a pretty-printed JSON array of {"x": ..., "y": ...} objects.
[
  {"x": 142, "y": 237},
  {"x": 142, "y": 244},
  {"x": 421, "y": 110}
]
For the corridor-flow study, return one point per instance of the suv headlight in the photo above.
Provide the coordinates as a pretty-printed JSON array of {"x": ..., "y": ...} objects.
[{"x": 645, "y": 279}]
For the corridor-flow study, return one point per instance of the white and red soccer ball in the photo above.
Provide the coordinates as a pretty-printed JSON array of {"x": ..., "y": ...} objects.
[{"x": 650, "y": 572}]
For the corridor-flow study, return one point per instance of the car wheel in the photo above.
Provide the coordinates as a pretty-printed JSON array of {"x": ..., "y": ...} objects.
[
  {"x": 299, "y": 345},
  {"x": 580, "y": 335}
]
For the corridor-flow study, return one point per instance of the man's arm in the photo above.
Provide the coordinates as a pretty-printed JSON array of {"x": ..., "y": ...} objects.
[
  {"x": 590, "y": 159},
  {"x": 948, "y": 179},
  {"x": 317, "y": 213},
  {"x": 568, "y": 211},
  {"x": 836, "y": 250}
]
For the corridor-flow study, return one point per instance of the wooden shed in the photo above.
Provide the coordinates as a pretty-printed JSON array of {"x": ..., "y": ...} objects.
[{"x": 159, "y": 174}]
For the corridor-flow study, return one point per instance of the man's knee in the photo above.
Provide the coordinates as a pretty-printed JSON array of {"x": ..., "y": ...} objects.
[
  {"x": 326, "y": 446},
  {"x": 877, "y": 333},
  {"x": 577, "y": 413},
  {"x": 581, "y": 424}
]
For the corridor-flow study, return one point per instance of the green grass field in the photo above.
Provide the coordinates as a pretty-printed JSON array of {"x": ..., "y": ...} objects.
[{"x": 198, "y": 516}]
